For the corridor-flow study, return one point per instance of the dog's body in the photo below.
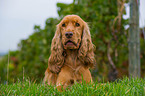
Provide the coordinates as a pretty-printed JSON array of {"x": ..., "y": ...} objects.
[{"x": 71, "y": 53}]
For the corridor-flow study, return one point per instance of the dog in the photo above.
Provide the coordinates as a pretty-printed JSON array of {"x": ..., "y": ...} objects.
[{"x": 72, "y": 54}]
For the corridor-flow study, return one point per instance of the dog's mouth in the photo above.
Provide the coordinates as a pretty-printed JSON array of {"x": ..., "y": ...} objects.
[{"x": 70, "y": 43}]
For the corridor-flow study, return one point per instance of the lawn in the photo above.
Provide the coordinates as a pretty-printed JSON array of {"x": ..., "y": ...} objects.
[{"x": 125, "y": 87}]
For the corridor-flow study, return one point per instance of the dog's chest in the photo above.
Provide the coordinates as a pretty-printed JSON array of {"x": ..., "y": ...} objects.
[
  {"x": 72, "y": 61},
  {"x": 71, "y": 58}
]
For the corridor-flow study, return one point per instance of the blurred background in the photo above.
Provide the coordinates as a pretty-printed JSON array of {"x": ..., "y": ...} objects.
[{"x": 28, "y": 26}]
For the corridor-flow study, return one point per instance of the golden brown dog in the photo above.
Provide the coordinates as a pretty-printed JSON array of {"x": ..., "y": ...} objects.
[{"x": 71, "y": 53}]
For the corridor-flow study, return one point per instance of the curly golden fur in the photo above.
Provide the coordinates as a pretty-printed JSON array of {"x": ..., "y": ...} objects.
[{"x": 71, "y": 53}]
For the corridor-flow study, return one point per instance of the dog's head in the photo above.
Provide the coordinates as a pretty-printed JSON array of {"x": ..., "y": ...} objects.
[{"x": 72, "y": 33}]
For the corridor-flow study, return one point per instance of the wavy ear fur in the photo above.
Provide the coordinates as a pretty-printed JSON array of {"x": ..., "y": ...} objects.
[
  {"x": 86, "y": 51},
  {"x": 56, "y": 56}
]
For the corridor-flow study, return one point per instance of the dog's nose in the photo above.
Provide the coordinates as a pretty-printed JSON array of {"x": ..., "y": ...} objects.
[{"x": 69, "y": 34}]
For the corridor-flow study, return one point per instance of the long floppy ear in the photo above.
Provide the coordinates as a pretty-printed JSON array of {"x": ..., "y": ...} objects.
[
  {"x": 56, "y": 56},
  {"x": 86, "y": 51}
]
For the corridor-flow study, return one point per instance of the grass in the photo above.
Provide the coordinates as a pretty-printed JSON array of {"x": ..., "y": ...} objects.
[{"x": 125, "y": 87}]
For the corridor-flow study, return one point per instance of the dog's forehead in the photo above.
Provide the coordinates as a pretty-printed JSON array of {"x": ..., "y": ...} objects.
[{"x": 72, "y": 18}]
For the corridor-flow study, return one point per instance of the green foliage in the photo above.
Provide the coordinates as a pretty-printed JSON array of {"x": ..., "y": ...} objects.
[
  {"x": 3, "y": 69},
  {"x": 142, "y": 52},
  {"x": 11, "y": 68},
  {"x": 125, "y": 87}
]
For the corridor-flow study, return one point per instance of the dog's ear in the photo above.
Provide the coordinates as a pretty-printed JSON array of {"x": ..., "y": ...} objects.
[
  {"x": 86, "y": 51},
  {"x": 56, "y": 56}
]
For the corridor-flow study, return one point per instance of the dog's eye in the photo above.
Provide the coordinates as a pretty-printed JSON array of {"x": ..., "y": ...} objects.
[
  {"x": 63, "y": 25},
  {"x": 77, "y": 24}
]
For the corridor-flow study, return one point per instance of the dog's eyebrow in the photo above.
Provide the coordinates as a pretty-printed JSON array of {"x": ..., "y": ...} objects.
[
  {"x": 75, "y": 20},
  {"x": 65, "y": 20}
]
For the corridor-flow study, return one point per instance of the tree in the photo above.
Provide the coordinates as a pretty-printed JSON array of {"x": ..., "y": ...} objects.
[{"x": 134, "y": 40}]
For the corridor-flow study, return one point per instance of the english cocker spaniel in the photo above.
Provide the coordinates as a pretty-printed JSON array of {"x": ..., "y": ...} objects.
[{"x": 71, "y": 53}]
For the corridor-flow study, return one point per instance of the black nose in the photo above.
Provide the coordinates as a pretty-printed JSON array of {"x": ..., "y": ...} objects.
[{"x": 69, "y": 34}]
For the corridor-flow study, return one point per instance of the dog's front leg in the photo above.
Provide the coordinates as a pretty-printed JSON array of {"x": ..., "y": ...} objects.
[
  {"x": 50, "y": 78},
  {"x": 64, "y": 79}
]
